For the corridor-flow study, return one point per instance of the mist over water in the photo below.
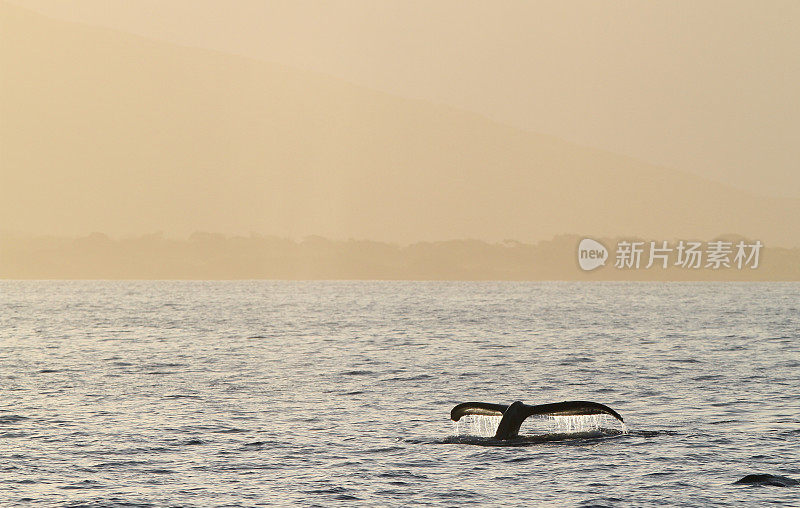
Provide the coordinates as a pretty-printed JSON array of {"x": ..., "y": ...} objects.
[{"x": 323, "y": 393}]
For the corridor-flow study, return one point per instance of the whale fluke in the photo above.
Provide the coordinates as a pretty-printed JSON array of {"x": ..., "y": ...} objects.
[
  {"x": 516, "y": 413},
  {"x": 477, "y": 408}
]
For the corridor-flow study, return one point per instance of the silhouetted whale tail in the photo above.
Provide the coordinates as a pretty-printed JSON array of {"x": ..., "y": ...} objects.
[{"x": 516, "y": 413}]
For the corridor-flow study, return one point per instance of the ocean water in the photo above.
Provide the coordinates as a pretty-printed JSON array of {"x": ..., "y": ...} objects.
[{"x": 265, "y": 393}]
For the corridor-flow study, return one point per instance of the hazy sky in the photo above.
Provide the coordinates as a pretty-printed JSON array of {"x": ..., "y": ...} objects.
[{"x": 705, "y": 87}]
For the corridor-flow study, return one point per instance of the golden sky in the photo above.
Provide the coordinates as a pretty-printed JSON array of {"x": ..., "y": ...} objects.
[
  {"x": 705, "y": 87},
  {"x": 401, "y": 121}
]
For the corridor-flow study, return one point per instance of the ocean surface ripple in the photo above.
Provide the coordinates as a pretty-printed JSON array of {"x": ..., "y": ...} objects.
[{"x": 263, "y": 393}]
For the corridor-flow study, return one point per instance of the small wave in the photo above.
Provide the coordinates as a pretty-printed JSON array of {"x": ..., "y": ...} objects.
[
  {"x": 516, "y": 460},
  {"x": 85, "y": 484},
  {"x": 340, "y": 392},
  {"x": 166, "y": 365},
  {"x": 660, "y": 473},
  {"x": 458, "y": 494},
  {"x": 230, "y": 430},
  {"x": 258, "y": 445},
  {"x": 652, "y": 433},
  {"x": 394, "y": 492},
  {"x": 118, "y": 463},
  {"x": 576, "y": 360},
  {"x": 340, "y": 493},
  {"x": 347, "y": 497},
  {"x": 13, "y": 434},
  {"x": 113, "y": 502},
  {"x": 385, "y": 449},
  {"x": 603, "y": 502},
  {"x": 401, "y": 473},
  {"x": 419, "y": 377},
  {"x": 727, "y": 403},
  {"x": 12, "y": 418},
  {"x": 497, "y": 346},
  {"x": 531, "y": 439}
]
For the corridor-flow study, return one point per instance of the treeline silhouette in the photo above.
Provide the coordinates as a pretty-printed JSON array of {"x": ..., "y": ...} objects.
[{"x": 215, "y": 256}]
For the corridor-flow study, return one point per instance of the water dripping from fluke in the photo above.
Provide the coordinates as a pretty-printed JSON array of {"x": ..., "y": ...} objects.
[{"x": 486, "y": 426}]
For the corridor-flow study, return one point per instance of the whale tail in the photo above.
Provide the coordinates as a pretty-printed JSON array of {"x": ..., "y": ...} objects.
[
  {"x": 516, "y": 413},
  {"x": 477, "y": 408}
]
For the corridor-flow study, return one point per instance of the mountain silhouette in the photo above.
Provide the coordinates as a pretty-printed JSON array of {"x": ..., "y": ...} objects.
[{"x": 106, "y": 131}]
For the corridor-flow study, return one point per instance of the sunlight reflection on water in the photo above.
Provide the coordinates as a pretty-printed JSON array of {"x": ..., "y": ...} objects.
[{"x": 240, "y": 393}]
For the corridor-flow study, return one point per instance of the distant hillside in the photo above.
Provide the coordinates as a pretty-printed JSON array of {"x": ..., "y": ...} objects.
[
  {"x": 211, "y": 256},
  {"x": 103, "y": 131}
]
